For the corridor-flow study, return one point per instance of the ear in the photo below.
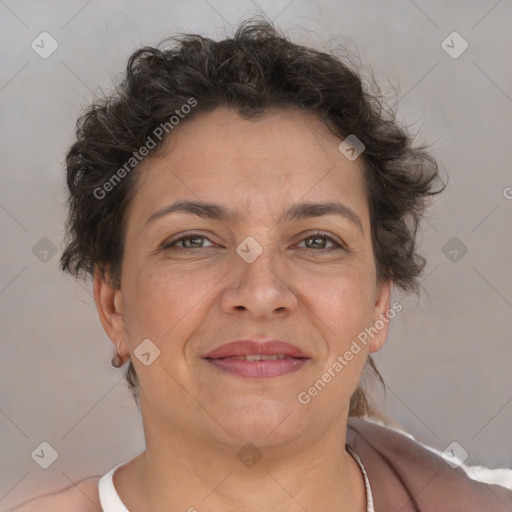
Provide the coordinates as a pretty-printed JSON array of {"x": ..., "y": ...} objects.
[
  {"x": 381, "y": 317},
  {"x": 109, "y": 303}
]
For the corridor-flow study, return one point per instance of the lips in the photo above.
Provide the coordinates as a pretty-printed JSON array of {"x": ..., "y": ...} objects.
[
  {"x": 241, "y": 348},
  {"x": 250, "y": 359}
]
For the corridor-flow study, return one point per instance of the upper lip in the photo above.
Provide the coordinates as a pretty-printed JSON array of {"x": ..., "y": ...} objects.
[{"x": 252, "y": 348}]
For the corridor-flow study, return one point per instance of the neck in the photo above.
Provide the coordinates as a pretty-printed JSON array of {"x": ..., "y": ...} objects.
[{"x": 180, "y": 472}]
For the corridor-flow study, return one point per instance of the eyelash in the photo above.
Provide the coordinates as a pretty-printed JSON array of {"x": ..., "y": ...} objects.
[{"x": 318, "y": 233}]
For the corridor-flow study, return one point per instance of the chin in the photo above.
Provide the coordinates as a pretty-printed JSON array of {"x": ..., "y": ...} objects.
[{"x": 261, "y": 422}]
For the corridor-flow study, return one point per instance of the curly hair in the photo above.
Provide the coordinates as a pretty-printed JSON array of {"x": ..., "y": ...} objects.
[{"x": 257, "y": 69}]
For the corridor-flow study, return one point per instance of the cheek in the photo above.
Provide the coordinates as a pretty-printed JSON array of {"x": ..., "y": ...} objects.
[
  {"x": 343, "y": 303},
  {"x": 342, "y": 308},
  {"x": 163, "y": 301},
  {"x": 162, "y": 306}
]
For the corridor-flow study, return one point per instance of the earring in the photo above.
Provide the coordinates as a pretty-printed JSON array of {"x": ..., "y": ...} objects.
[{"x": 117, "y": 360}]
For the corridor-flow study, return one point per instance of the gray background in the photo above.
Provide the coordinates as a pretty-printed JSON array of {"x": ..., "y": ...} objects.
[{"x": 447, "y": 359}]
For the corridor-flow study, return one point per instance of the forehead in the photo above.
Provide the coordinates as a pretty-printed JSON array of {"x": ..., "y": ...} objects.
[{"x": 264, "y": 163}]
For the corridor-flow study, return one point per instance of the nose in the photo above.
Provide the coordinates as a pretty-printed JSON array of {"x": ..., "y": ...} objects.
[{"x": 260, "y": 289}]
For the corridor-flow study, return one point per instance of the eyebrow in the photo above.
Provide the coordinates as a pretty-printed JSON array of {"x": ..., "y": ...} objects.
[{"x": 217, "y": 212}]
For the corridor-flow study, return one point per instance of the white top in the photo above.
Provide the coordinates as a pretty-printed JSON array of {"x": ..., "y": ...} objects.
[
  {"x": 111, "y": 502},
  {"x": 109, "y": 499}
]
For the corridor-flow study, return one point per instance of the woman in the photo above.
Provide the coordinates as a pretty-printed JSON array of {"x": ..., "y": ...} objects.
[{"x": 245, "y": 208}]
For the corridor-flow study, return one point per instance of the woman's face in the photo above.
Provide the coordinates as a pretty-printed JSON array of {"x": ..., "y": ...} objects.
[{"x": 256, "y": 275}]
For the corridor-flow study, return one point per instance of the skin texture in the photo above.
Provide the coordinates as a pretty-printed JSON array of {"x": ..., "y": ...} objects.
[{"x": 188, "y": 301}]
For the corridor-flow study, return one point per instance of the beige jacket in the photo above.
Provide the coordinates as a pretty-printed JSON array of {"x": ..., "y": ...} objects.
[{"x": 407, "y": 477}]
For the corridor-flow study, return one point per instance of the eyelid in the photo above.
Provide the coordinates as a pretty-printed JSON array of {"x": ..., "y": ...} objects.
[
  {"x": 185, "y": 234},
  {"x": 318, "y": 232}
]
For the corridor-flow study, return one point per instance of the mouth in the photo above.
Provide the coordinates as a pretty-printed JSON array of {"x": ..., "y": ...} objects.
[
  {"x": 260, "y": 357},
  {"x": 251, "y": 359}
]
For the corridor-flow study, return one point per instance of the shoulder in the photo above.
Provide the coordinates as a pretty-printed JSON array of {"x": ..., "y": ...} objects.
[
  {"x": 81, "y": 497},
  {"x": 401, "y": 469}
]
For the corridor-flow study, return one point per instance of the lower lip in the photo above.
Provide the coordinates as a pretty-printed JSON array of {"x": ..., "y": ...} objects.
[{"x": 259, "y": 369}]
